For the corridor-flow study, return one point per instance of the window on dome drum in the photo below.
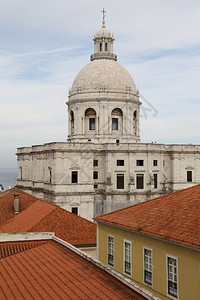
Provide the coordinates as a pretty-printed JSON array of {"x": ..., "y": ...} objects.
[
  {"x": 127, "y": 257},
  {"x": 189, "y": 176},
  {"x": 95, "y": 163},
  {"x": 74, "y": 177},
  {"x": 50, "y": 176},
  {"x": 91, "y": 123},
  {"x": 72, "y": 122},
  {"x": 111, "y": 251},
  {"x": 75, "y": 210},
  {"x": 139, "y": 162},
  {"x": 114, "y": 123},
  {"x": 155, "y": 181},
  {"x": 106, "y": 46},
  {"x": 155, "y": 162},
  {"x": 139, "y": 181},
  {"x": 100, "y": 47},
  {"x": 95, "y": 175},
  {"x": 120, "y": 162},
  {"x": 148, "y": 267},
  {"x": 172, "y": 277},
  {"x": 120, "y": 181}
]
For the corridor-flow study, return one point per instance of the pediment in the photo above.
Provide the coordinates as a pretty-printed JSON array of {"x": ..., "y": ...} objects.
[
  {"x": 189, "y": 168},
  {"x": 74, "y": 167}
]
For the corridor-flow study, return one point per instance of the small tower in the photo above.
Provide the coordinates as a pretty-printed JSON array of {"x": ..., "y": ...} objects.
[{"x": 103, "y": 43}]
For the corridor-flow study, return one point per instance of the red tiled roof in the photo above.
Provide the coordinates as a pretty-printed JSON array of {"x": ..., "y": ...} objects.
[
  {"x": 41, "y": 216},
  {"x": 8, "y": 248},
  {"x": 6, "y": 203},
  {"x": 52, "y": 271},
  {"x": 174, "y": 217}
]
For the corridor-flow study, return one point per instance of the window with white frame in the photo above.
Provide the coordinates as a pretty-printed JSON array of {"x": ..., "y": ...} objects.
[
  {"x": 127, "y": 257},
  {"x": 148, "y": 266},
  {"x": 172, "y": 277},
  {"x": 111, "y": 251}
]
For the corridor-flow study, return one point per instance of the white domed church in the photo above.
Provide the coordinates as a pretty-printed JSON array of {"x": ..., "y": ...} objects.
[{"x": 103, "y": 166}]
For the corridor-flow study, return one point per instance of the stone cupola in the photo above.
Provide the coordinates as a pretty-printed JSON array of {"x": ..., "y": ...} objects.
[{"x": 103, "y": 44}]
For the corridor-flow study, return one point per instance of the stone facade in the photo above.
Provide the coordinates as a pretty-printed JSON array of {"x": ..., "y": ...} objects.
[{"x": 103, "y": 166}]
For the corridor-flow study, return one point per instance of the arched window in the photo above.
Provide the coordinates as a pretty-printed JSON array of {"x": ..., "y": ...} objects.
[
  {"x": 106, "y": 46},
  {"x": 72, "y": 121},
  {"x": 116, "y": 115},
  {"x": 90, "y": 118}
]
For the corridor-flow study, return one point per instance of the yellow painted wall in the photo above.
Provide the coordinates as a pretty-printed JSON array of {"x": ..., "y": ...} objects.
[{"x": 188, "y": 262}]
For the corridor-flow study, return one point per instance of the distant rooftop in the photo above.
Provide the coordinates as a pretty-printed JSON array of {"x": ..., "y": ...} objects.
[
  {"x": 39, "y": 216},
  {"x": 174, "y": 217}
]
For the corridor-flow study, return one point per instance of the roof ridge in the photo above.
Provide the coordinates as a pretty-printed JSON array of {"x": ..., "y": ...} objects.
[{"x": 53, "y": 211}]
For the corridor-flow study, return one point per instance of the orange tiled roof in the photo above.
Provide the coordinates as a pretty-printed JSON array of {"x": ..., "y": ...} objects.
[
  {"x": 41, "y": 216},
  {"x": 52, "y": 271},
  {"x": 174, "y": 217},
  {"x": 6, "y": 203}
]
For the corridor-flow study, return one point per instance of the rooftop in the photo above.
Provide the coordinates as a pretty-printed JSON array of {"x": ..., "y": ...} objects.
[
  {"x": 53, "y": 269},
  {"x": 40, "y": 216},
  {"x": 174, "y": 217}
]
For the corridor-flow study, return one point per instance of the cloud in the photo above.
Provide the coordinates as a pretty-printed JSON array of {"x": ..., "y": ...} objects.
[{"x": 44, "y": 44}]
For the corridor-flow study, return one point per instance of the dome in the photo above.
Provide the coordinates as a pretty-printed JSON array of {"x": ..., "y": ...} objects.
[
  {"x": 103, "y": 72},
  {"x": 103, "y": 32}
]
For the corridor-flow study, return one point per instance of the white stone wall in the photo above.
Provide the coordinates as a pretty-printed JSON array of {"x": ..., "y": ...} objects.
[{"x": 62, "y": 158}]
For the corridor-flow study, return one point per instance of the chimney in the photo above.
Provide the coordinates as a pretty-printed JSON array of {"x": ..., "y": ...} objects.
[{"x": 16, "y": 204}]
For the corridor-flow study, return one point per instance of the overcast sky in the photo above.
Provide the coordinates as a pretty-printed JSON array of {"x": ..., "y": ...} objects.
[{"x": 45, "y": 43}]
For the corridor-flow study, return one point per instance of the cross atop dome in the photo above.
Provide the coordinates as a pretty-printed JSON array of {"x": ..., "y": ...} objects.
[{"x": 103, "y": 21}]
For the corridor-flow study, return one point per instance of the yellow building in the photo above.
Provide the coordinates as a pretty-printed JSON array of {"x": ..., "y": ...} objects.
[{"x": 156, "y": 244}]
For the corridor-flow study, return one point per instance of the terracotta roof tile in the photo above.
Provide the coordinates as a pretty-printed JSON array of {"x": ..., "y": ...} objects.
[
  {"x": 174, "y": 217},
  {"x": 41, "y": 216},
  {"x": 6, "y": 203},
  {"x": 52, "y": 271}
]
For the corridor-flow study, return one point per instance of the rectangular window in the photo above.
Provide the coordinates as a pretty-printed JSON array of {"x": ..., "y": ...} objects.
[
  {"x": 111, "y": 251},
  {"x": 114, "y": 123},
  {"x": 155, "y": 162},
  {"x": 75, "y": 210},
  {"x": 155, "y": 181},
  {"x": 172, "y": 277},
  {"x": 120, "y": 181},
  {"x": 95, "y": 186},
  {"x": 127, "y": 257},
  {"x": 120, "y": 162},
  {"x": 189, "y": 176},
  {"x": 100, "y": 48},
  {"x": 74, "y": 176},
  {"x": 139, "y": 162},
  {"x": 148, "y": 266},
  {"x": 95, "y": 175},
  {"x": 91, "y": 123},
  {"x": 95, "y": 163},
  {"x": 139, "y": 181}
]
